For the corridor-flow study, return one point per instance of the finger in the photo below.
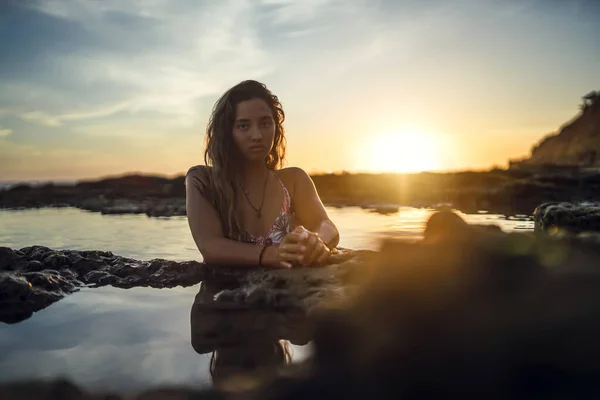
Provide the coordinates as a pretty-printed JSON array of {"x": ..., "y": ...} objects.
[
  {"x": 312, "y": 247},
  {"x": 304, "y": 234},
  {"x": 312, "y": 240},
  {"x": 292, "y": 248},
  {"x": 313, "y": 256},
  {"x": 301, "y": 231},
  {"x": 286, "y": 264},
  {"x": 310, "y": 243},
  {"x": 291, "y": 256},
  {"x": 293, "y": 237},
  {"x": 323, "y": 257}
]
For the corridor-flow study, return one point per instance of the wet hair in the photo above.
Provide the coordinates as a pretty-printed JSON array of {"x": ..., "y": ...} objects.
[{"x": 222, "y": 155}]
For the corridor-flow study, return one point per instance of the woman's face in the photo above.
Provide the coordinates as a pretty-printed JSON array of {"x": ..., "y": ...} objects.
[{"x": 253, "y": 130}]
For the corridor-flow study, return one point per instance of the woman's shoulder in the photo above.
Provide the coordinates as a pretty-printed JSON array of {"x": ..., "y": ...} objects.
[
  {"x": 292, "y": 174},
  {"x": 198, "y": 169},
  {"x": 198, "y": 174}
]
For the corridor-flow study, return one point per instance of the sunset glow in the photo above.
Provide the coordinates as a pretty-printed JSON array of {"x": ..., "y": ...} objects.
[
  {"x": 366, "y": 86},
  {"x": 402, "y": 151}
]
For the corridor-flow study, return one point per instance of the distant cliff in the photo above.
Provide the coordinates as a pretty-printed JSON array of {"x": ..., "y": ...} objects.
[{"x": 576, "y": 144}]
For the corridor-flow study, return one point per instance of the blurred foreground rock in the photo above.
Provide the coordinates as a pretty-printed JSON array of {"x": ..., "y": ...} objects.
[{"x": 469, "y": 312}]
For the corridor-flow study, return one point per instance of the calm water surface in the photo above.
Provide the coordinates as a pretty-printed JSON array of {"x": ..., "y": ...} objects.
[{"x": 116, "y": 339}]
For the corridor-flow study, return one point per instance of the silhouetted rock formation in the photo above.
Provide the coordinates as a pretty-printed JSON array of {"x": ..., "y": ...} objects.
[
  {"x": 130, "y": 194},
  {"x": 576, "y": 144},
  {"x": 34, "y": 277}
]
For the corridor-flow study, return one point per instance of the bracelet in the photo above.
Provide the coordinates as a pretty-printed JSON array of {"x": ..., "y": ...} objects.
[{"x": 260, "y": 256}]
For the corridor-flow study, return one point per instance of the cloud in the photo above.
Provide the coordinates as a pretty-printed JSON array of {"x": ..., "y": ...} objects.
[
  {"x": 5, "y": 132},
  {"x": 165, "y": 56},
  {"x": 152, "y": 55},
  {"x": 57, "y": 120},
  {"x": 132, "y": 130},
  {"x": 92, "y": 73},
  {"x": 41, "y": 117}
]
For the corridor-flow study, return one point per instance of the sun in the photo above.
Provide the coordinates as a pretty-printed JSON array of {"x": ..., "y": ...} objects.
[{"x": 402, "y": 151}]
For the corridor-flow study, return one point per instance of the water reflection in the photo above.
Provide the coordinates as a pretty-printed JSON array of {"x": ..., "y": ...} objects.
[
  {"x": 126, "y": 340},
  {"x": 243, "y": 343}
]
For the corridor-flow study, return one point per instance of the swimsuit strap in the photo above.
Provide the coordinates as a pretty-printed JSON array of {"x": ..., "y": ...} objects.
[{"x": 287, "y": 200}]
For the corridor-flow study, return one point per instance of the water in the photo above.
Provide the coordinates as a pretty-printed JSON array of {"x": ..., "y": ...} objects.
[{"x": 129, "y": 339}]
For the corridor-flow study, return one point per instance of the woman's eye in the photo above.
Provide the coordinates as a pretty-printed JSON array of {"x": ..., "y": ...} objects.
[
  {"x": 266, "y": 123},
  {"x": 243, "y": 126}
]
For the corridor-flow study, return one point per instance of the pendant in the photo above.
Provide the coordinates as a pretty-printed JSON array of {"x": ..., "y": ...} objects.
[{"x": 259, "y": 214}]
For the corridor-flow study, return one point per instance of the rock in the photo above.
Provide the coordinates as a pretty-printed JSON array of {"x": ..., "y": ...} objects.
[
  {"x": 385, "y": 209},
  {"x": 19, "y": 299},
  {"x": 129, "y": 208},
  {"x": 36, "y": 276},
  {"x": 12, "y": 260},
  {"x": 574, "y": 218}
]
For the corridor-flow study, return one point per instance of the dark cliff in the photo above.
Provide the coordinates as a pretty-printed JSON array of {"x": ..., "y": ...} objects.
[{"x": 577, "y": 143}]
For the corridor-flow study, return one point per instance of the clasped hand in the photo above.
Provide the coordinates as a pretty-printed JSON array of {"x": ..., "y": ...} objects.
[{"x": 303, "y": 247}]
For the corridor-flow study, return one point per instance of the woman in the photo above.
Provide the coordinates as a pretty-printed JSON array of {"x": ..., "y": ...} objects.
[{"x": 241, "y": 207}]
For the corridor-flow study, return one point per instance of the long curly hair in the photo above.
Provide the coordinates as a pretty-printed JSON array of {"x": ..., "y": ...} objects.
[{"x": 222, "y": 155}]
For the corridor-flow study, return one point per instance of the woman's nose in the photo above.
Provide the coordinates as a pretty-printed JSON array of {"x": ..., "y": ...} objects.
[{"x": 255, "y": 134}]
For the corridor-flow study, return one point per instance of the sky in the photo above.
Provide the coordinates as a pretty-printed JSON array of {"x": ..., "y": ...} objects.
[{"x": 91, "y": 88}]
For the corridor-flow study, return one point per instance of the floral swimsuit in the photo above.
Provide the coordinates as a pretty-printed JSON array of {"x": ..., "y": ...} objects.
[{"x": 282, "y": 225}]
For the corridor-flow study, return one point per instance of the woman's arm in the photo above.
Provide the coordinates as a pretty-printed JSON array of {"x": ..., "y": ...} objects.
[
  {"x": 208, "y": 233},
  {"x": 310, "y": 210}
]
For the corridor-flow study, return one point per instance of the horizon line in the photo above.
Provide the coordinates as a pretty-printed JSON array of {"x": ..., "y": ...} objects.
[{"x": 309, "y": 172}]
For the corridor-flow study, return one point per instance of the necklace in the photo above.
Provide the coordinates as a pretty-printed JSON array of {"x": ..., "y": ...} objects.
[{"x": 258, "y": 210}]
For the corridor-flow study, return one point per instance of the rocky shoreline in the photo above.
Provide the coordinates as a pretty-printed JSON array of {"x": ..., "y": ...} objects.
[
  {"x": 507, "y": 192},
  {"x": 34, "y": 277}
]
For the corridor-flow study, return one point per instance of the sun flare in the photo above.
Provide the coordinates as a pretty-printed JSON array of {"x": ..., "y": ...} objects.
[{"x": 402, "y": 151}]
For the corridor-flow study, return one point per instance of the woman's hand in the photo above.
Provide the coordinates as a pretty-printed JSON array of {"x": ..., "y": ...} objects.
[
  {"x": 292, "y": 248},
  {"x": 304, "y": 247},
  {"x": 273, "y": 257},
  {"x": 316, "y": 250}
]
